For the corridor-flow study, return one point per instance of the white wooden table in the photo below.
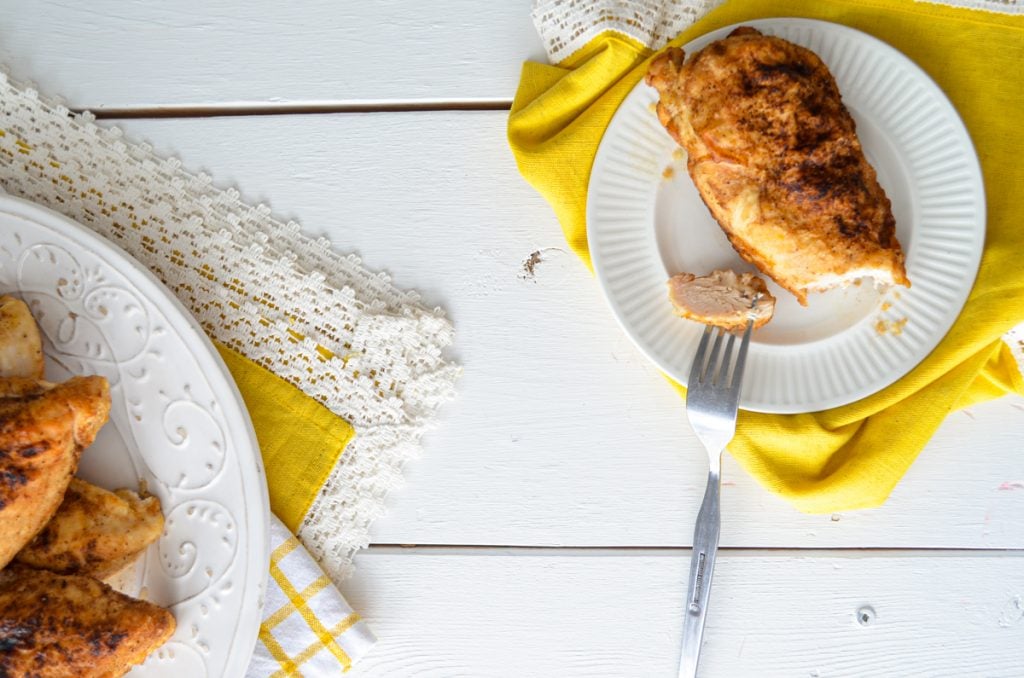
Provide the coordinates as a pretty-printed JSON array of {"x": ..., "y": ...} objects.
[{"x": 545, "y": 531}]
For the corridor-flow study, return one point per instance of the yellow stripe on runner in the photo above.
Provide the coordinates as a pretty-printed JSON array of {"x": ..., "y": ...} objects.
[
  {"x": 307, "y": 594},
  {"x": 301, "y": 606},
  {"x": 288, "y": 667},
  {"x": 286, "y": 547},
  {"x": 339, "y": 628},
  {"x": 345, "y": 624}
]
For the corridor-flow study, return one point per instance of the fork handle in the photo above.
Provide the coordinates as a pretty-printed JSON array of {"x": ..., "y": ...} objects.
[{"x": 702, "y": 566}]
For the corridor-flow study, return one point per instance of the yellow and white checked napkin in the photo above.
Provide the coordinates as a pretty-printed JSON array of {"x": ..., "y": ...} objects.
[{"x": 308, "y": 628}]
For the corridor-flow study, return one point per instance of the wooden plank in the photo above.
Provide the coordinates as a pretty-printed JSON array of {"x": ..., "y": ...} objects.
[
  {"x": 563, "y": 434},
  {"x": 776, "y": 614},
  {"x": 140, "y": 53}
]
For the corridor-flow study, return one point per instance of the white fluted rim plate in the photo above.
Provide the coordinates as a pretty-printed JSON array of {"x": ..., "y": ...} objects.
[
  {"x": 646, "y": 222},
  {"x": 177, "y": 423}
]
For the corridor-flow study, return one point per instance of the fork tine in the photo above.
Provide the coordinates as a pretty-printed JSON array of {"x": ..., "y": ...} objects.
[
  {"x": 737, "y": 373},
  {"x": 721, "y": 375},
  {"x": 699, "y": 360},
  {"x": 712, "y": 368}
]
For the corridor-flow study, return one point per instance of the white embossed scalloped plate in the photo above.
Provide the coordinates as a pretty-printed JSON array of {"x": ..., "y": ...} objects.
[
  {"x": 644, "y": 227},
  {"x": 177, "y": 423}
]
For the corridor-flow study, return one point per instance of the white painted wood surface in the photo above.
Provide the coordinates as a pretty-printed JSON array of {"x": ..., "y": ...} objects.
[
  {"x": 620, "y": 614},
  {"x": 563, "y": 435},
  {"x": 146, "y": 53}
]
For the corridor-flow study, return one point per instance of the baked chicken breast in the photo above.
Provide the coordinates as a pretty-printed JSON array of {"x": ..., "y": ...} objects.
[
  {"x": 94, "y": 532},
  {"x": 21, "y": 349},
  {"x": 776, "y": 158},
  {"x": 43, "y": 430},
  {"x": 722, "y": 298},
  {"x": 56, "y": 625}
]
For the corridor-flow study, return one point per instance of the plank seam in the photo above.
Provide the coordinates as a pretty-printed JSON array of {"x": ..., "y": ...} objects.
[
  {"x": 837, "y": 551},
  {"x": 255, "y": 110}
]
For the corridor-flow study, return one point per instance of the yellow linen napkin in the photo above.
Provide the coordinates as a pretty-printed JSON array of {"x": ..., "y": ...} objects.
[
  {"x": 300, "y": 439},
  {"x": 852, "y": 456}
]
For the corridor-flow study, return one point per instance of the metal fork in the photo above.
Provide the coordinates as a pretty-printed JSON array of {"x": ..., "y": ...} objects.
[{"x": 712, "y": 399}]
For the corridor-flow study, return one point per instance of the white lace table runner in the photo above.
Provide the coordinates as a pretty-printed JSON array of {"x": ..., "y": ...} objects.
[
  {"x": 258, "y": 285},
  {"x": 567, "y": 25}
]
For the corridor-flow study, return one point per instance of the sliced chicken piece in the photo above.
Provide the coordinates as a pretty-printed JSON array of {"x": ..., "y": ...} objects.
[
  {"x": 43, "y": 430},
  {"x": 95, "y": 532},
  {"x": 21, "y": 349},
  {"x": 724, "y": 299},
  {"x": 56, "y": 625}
]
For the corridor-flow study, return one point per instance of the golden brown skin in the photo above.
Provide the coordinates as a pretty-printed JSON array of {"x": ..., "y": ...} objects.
[
  {"x": 775, "y": 155},
  {"x": 94, "y": 532},
  {"x": 56, "y": 625},
  {"x": 43, "y": 430},
  {"x": 21, "y": 349}
]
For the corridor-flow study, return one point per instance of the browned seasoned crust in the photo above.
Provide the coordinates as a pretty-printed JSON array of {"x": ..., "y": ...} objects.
[
  {"x": 55, "y": 626},
  {"x": 775, "y": 155},
  {"x": 94, "y": 532},
  {"x": 43, "y": 430},
  {"x": 21, "y": 348}
]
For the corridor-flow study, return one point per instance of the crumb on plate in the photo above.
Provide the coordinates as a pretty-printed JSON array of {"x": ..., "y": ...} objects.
[{"x": 894, "y": 327}]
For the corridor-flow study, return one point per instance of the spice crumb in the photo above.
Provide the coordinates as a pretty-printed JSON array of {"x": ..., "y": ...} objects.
[
  {"x": 895, "y": 327},
  {"x": 529, "y": 271},
  {"x": 668, "y": 172}
]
